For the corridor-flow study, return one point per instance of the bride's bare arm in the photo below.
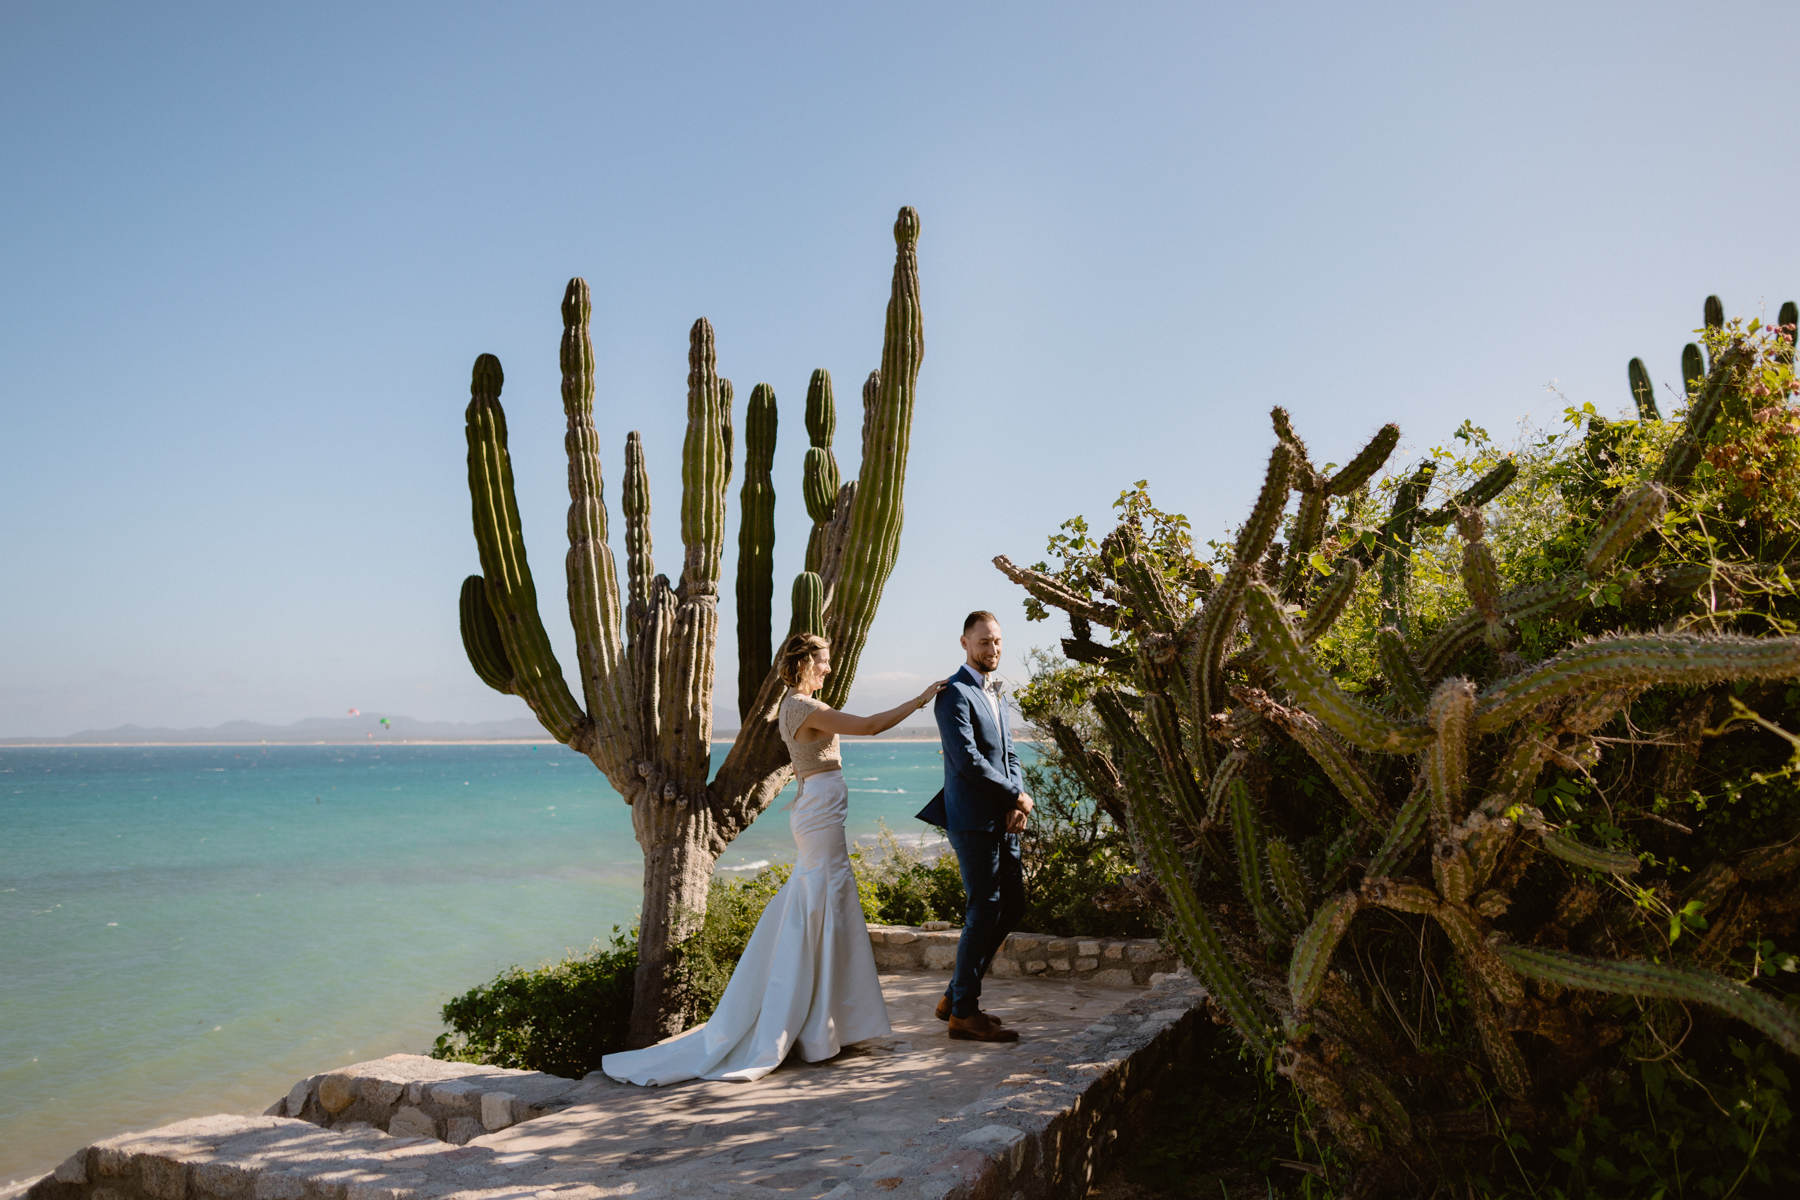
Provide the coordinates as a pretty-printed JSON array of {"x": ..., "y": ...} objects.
[{"x": 830, "y": 720}]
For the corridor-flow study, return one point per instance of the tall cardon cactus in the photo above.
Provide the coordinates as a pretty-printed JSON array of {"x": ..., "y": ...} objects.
[
  {"x": 1336, "y": 859},
  {"x": 645, "y": 656}
]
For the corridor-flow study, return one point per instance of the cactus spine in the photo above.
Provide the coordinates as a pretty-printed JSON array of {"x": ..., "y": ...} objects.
[{"x": 646, "y": 665}]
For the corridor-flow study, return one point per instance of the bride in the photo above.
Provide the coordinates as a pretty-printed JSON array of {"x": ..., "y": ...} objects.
[{"x": 807, "y": 977}]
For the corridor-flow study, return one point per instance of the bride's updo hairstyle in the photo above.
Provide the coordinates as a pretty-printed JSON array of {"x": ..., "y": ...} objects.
[{"x": 796, "y": 652}]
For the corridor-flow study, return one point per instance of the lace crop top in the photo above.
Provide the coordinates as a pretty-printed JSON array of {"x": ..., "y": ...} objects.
[{"x": 818, "y": 754}]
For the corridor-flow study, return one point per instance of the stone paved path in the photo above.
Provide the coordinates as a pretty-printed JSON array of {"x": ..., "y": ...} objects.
[{"x": 912, "y": 1115}]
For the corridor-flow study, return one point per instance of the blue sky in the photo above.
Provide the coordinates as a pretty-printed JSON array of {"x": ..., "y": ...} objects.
[{"x": 251, "y": 252}]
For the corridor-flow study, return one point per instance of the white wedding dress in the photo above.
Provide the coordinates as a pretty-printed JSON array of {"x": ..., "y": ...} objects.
[{"x": 807, "y": 978}]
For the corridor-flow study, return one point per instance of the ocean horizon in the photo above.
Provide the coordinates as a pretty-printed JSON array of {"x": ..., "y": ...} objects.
[{"x": 188, "y": 929}]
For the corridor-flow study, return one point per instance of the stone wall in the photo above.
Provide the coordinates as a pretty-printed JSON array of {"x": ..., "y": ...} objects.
[{"x": 1113, "y": 962}]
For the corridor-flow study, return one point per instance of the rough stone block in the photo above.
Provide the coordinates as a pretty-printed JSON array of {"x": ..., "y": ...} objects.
[
  {"x": 940, "y": 957},
  {"x": 1003, "y": 968},
  {"x": 1060, "y": 946},
  {"x": 497, "y": 1109},
  {"x": 1114, "y": 951},
  {"x": 1036, "y": 966},
  {"x": 297, "y": 1097},
  {"x": 1087, "y": 948},
  {"x": 336, "y": 1093},
  {"x": 1060, "y": 966},
  {"x": 1086, "y": 964},
  {"x": 1114, "y": 977},
  {"x": 1022, "y": 945},
  {"x": 110, "y": 1161},
  {"x": 1145, "y": 951},
  {"x": 462, "y": 1130},
  {"x": 74, "y": 1169},
  {"x": 412, "y": 1122},
  {"x": 163, "y": 1179},
  {"x": 112, "y": 1193},
  {"x": 415, "y": 1092},
  {"x": 383, "y": 1093},
  {"x": 227, "y": 1181},
  {"x": 456, "y": 1096},
  {"x": 274, "y": 1185},
  {"x": 899, "y": 937}
]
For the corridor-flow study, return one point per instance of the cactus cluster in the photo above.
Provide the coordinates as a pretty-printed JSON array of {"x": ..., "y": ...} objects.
[
  {"x": 645, "y": 656},
  {"x": 1289, "y": 819}
]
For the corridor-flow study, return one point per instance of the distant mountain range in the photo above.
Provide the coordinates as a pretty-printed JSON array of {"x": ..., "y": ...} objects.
[{"x": 344, "y": 729}]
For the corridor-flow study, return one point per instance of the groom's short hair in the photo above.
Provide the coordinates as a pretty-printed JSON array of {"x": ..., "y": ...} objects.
[{"x": 979, "y": 615}]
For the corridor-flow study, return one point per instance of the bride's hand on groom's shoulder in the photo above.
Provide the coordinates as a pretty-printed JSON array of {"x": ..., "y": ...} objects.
[{"x": 930, "y": 692}]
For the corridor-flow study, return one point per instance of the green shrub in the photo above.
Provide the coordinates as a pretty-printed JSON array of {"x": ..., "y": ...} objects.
[{"x": 559, "y": 1017}]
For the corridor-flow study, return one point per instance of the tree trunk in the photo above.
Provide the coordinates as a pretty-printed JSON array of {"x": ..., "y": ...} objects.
[{"x": 680, "y": 848}]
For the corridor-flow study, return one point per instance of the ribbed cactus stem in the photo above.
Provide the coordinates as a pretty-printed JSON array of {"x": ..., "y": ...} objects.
[
  {"x": 1660, "y": 981},
  {"x": 1703, "y": 410},
  {"x": 1349, "y": 779},
  {"x": 1311, "y": 960},
  {"x": 808, "y": 604},
  {"x": 872, "y": 541},
  {"x": 1395, "y": 543},
  {"x": 1789, "y": 322},
  {"x": 1509, "y": 1065},
  {"x": 510, "y": 591},
  {"x": 1636, "y": 661},
  {"x": 592, "y": 576},
  {"x": 1593, "y": 858},
  {"x": 756, "y": 548},
  {"x": 1450, "y": 711},
  {"x": 640, "y": 562},
  {"x": 1403, "y": 835},
  {"x": 1247, "y": 843},
  {"x": 1289, "y": 884},
  {"x": 1368, "y": 460},
  {"x": 1402, "y": 673},
  {"x": 1632, "y": 513},
  {"x": 1465, "y": 931},
  {"x": 703, "y": 469},
  {"x": 1313, "y": 688},
  {"x": 1329, "y": 601},
  {"x": 1642, "y": 393},
  {"x": 481, "y": 636},
  {"x": 1693, "y": 369},
  {"x": 1452, "y": 870},
  {"x": 1713, "y": 312}
]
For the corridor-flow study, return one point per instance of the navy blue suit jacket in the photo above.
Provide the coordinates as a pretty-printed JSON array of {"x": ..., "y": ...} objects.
[{"x": 982, "y": 776}]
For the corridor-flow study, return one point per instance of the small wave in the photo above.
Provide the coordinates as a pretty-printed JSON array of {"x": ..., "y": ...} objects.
[
  {"x": 882, "y": 791},
  {"x": 758, "y": 865}
]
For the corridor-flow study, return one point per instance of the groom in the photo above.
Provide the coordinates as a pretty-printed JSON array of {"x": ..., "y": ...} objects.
[{"x": 982, "y": 808}]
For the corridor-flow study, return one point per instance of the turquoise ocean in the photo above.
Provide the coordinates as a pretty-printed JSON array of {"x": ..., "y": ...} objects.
[{"x": 189, "y": 929}]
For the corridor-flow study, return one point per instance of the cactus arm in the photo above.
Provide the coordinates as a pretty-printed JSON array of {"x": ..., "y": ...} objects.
[
  {"x": 725, "y": 431},
  {"x": 1403, "y": 835},
  {"x": 481, "y": 637},
  {"x": 1642, "y": 393},
  {"x": 1464, "y": 929},
  {"x": 756, "y": 548},
  {"x": 808, "y": 604},
  {"x": 1395, "y": 542},
  {"x": 1190, "y": 924},
  {"x": 873, "y": 538},
  {"x": 1451, "y": 712},
  {"x": 1509, "y": 1065},
  {"x": 1368, "y": 460},
  {"x": 592, "y": 578},
  {"x": 821, "y": 480},
  {"x": 1053, "y": 593},
  {"x": 1220, "y": 616},
  {"x": 1314, "y": 689},
  {"x": 1660, "y": 981},
  {"x": 1632, "y": 513},
  {"x": 1329, "y": 601},
  {"x": 1611, "y": 862},
  {"x": 1323, "y": 747},
  {"x": 510, "y": 592},
  {"x": 640, "y": 562},
  {"x": 1288, "y": 882},
  {"x": 1312, "y": 949},
  {"x": 1403, "y": 677},
  {"x": 1247, "y": 844},
  {"x": 703, "y": 469},
  {"x": 1703, "y": 410},
  {"x": 1636, "y": 661}
]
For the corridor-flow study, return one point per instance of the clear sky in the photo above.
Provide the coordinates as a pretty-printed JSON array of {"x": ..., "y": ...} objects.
[{"x": 250, "y": 252}]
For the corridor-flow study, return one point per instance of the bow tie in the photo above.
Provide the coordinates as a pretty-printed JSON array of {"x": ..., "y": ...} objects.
[{"x": 993, "y": 687}]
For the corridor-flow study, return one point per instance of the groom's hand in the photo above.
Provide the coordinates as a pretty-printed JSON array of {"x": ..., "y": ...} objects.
[
  {"x": 1015, "y": 821},
  {"x": 1024, "y": 804}
]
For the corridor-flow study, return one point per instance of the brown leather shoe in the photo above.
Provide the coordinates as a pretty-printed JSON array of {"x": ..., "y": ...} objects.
[
  {"x": 981, "y": 1028},
  {"x": 943, "y": 1012}
]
